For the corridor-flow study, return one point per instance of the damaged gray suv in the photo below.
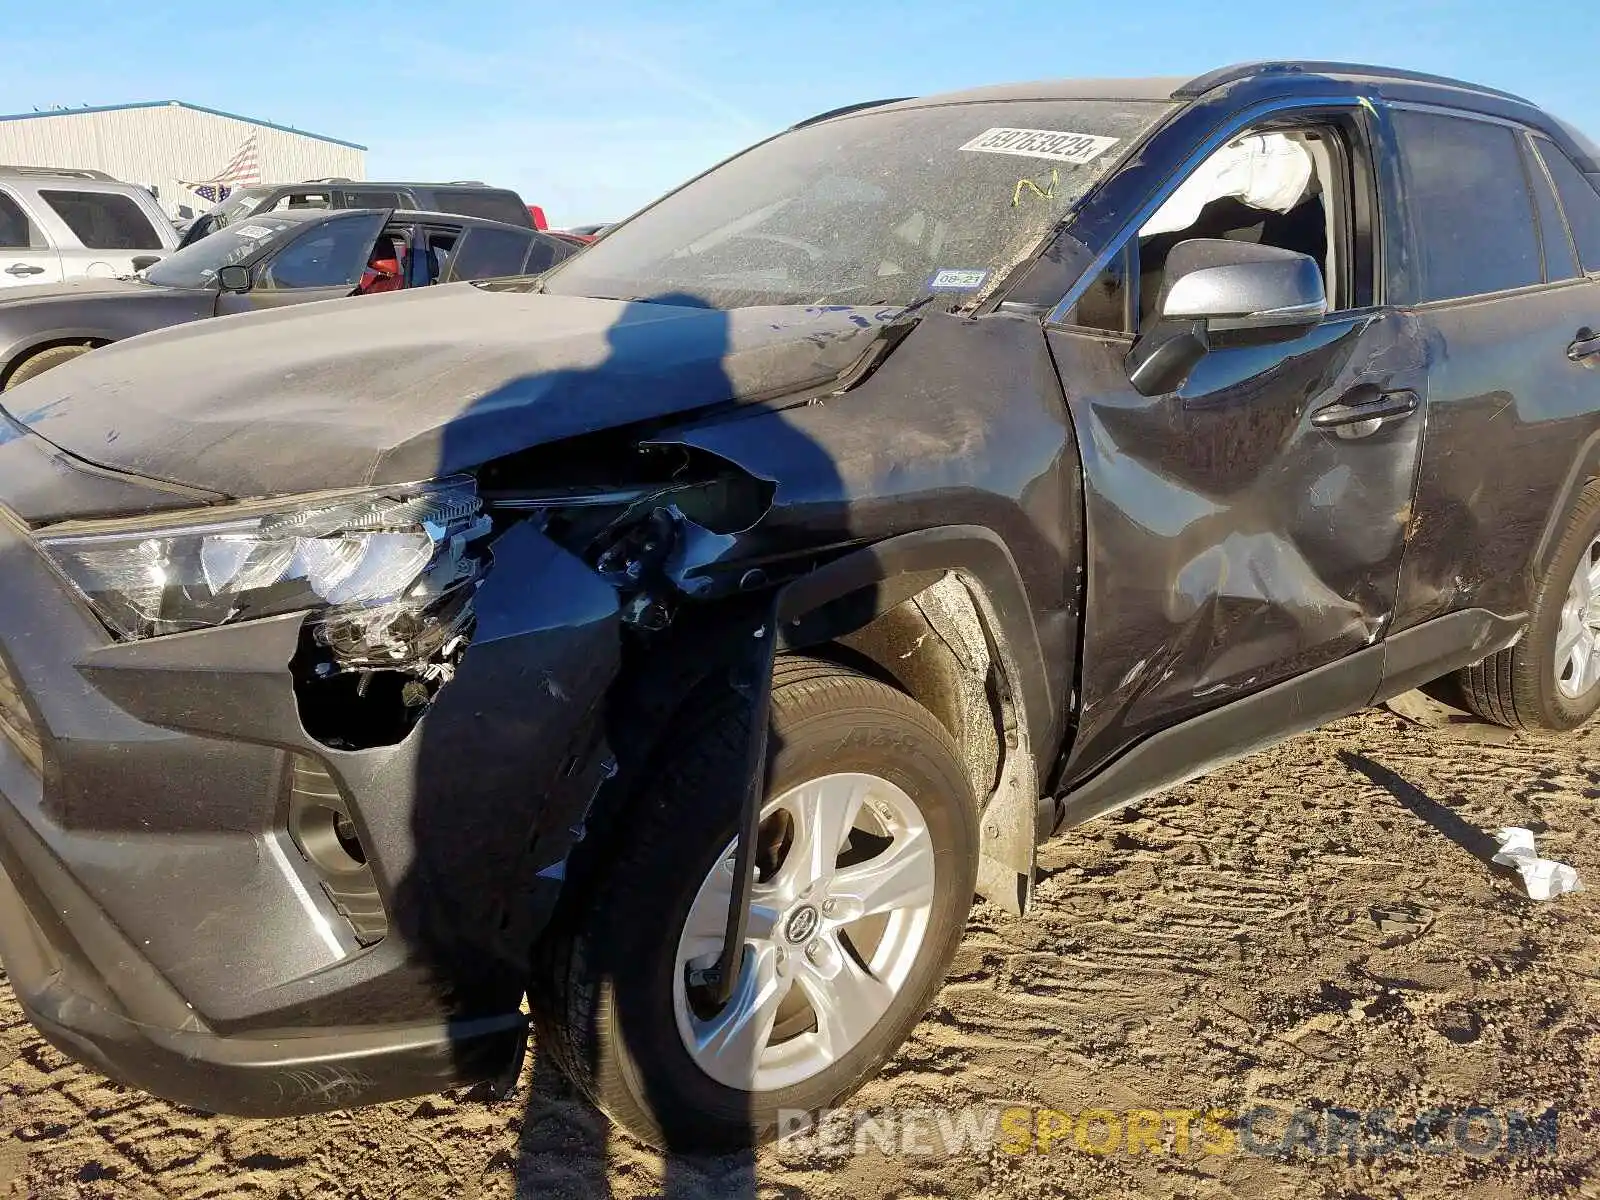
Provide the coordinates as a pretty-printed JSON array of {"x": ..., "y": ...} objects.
[{"x": 682, "y": 638}]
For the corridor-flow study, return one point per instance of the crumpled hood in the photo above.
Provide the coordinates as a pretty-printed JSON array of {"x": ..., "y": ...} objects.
[{"x": 389, "y": 389}]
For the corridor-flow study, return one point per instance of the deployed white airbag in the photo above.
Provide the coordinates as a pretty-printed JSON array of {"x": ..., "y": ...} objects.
[{"x": 1265, "y": 170}]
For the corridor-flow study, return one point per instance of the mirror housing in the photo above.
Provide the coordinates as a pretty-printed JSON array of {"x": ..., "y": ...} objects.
[
  {"x": 1250, "y": 295},
  {"x": 141, "y": 261},
  {"x": 234, "y": 278}
]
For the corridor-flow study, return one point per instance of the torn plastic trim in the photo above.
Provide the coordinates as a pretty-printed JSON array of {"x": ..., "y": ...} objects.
[
  {"x": 1011, "y": 804},
  {"x": 974, "y": 572},
  {"x": 649, "y": 539}
]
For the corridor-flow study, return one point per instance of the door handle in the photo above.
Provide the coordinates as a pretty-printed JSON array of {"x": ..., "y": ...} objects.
[
  {"x": 1587, "y": 345},
  {"x": 1364, "y": 411},
  {"x": 23, "y": 269}
]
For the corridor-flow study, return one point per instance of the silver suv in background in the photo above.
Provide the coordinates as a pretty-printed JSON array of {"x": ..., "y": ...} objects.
[{"x": 58, "y": 224}]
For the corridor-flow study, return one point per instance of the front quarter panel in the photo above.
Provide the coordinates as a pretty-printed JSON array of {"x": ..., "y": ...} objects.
[{"x": 963, "y": 425}]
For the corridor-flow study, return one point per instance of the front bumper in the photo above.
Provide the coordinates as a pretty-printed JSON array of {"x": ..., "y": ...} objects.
[
  {"x": 253, "y": 1075},
  {"x": 159, "y": 920}
]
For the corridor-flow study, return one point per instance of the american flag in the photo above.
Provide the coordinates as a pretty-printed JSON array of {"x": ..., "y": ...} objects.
[{"x": 243, "y": 168}]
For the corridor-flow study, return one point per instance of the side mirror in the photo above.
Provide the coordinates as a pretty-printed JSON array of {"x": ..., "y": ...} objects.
[
  {"x": 1237, "y": 293},
  {"x": 234, "y": 278},
  {"x": 141, "y": 261}
]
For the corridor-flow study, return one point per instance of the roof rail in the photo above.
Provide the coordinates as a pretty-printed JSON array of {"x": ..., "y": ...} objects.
[
  {"x": 1211, "y": 80},
  {"x": 57, "y": 172},
  {"x": 847, "y": 110},
  {"x": 329, "y": 179}
]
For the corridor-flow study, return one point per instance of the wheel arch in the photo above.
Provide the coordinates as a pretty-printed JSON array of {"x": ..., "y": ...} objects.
[
  {"x": 958, "y": 587},
  {"x": 1584, "y": 472},
  {"x": 942, "y": 615},
  {"x": 22, "y": 350}
]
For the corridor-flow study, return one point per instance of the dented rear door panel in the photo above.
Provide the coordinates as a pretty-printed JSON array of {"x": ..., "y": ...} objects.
[
  {"x": 1231, "y": 543},
  {"x": 1511, "y": 433}
]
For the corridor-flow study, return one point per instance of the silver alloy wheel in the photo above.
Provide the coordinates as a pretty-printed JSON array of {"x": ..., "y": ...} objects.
[
  {"x": 839, "y": 911},
  {"x": 1578, "y": 637}
]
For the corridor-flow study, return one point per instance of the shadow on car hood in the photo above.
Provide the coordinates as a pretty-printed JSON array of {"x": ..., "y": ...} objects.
[{"x": 397, "y": 388}]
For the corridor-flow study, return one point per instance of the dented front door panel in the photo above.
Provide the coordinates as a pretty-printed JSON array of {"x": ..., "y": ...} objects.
[{"x": 1231, "y": 541}]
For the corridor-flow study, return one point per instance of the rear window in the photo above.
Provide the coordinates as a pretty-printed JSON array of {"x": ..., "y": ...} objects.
[
  {"x": 489, "y": 253},
  {"x": 104, "y": 221},
  {"x": 1579, "y": 198},
  {"x": 487, "y": 203}
]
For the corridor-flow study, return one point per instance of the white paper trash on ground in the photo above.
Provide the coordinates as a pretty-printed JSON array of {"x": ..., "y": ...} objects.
[{"x": 1544, "y": 877}]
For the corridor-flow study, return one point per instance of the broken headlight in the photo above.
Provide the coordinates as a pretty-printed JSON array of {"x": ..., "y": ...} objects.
[{"x": 382, "y": 561}]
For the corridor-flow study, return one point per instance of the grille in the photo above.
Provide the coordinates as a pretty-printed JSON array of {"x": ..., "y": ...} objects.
[{"x": 16, "y": 723}]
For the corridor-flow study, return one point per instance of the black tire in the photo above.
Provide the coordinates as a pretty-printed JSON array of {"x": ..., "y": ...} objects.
[
  {"x": 1517, "y": 687},
  {"x": 602, "y": 996},
  {"x": 43, "y": 361}
]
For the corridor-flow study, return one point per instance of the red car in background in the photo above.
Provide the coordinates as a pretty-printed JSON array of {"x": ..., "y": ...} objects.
[{"x": 578, "y": 235}]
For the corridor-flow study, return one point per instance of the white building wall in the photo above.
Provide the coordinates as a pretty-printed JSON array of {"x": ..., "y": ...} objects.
[{"x": 166, "y": 144}]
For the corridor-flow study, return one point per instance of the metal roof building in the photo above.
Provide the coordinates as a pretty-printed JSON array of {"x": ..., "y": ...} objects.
[{"x": 168, "y": 146}]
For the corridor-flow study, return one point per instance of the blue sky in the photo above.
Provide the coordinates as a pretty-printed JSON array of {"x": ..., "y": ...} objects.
[{"x": 593, "y": 109}]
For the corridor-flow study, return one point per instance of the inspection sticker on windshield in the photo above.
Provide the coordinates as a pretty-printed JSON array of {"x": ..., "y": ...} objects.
[
  {"x": 254, "y": 232},
  {"x": 1076, "y": 148},
  {"x": 954, "y": 280}
]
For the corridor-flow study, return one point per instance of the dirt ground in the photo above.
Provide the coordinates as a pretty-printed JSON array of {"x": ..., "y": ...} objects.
[{"x": 1316, "y": 927}]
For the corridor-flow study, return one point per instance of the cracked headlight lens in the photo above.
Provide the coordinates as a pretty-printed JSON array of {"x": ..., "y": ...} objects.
[{"x": 349, "y": 553}]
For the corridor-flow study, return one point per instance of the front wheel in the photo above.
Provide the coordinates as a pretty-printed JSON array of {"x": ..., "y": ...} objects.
[
  {"x": 43, "y": 361},
  {"x": 865, "y": 870}
]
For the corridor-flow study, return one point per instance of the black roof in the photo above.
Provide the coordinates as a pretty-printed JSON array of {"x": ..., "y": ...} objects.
[
  {"x": 1262, "y": 80},
  {"x": 303, "y": 215},
  {"x": 1222, "y": 76},
  {"x": 451, "y": 218},
  {"x": 1177, "y": 87},
  {"x": 378, "y": 184}
]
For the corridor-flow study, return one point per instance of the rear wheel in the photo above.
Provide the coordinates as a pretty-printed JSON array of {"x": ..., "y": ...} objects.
[
  {"x": 38, "y": 364},
  {"x": 1550, "y": 680},
  {"x": 865, "y": 871}
]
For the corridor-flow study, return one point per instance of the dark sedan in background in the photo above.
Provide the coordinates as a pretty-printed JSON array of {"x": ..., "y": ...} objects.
[
  {"x": 467, "y": 198},
  {"x": 266, "y": 261}
]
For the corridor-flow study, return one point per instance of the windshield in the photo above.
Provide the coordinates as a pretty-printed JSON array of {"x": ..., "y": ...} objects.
[
  {"x": 197, "y": 264},
  {"x": 236, "y": 205},
  {"x": 883, "y": 207}
]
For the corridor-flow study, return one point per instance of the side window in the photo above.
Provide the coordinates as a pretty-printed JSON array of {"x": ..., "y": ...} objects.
[
  {"x": 1579, "y": 198},
  {"x": 1105, "y": 304},
  {"x": 1471, "y": 215},
  {"x": 104, "y": 220},
  {"x": 17, "y": 232},
  {"x": 295, "y": 200},
  {"x": 488, "y": 253},
  {"x": 329, "y": 256},
  {"x": 544, "y": 253},
  {"x": 1560, "y": 260},
  {"x": 441, "y": 245},
  {"x": 366, "y": 199},
  {"x": 482, "y": 202},
  {"x": 1284, "y": 188}
]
